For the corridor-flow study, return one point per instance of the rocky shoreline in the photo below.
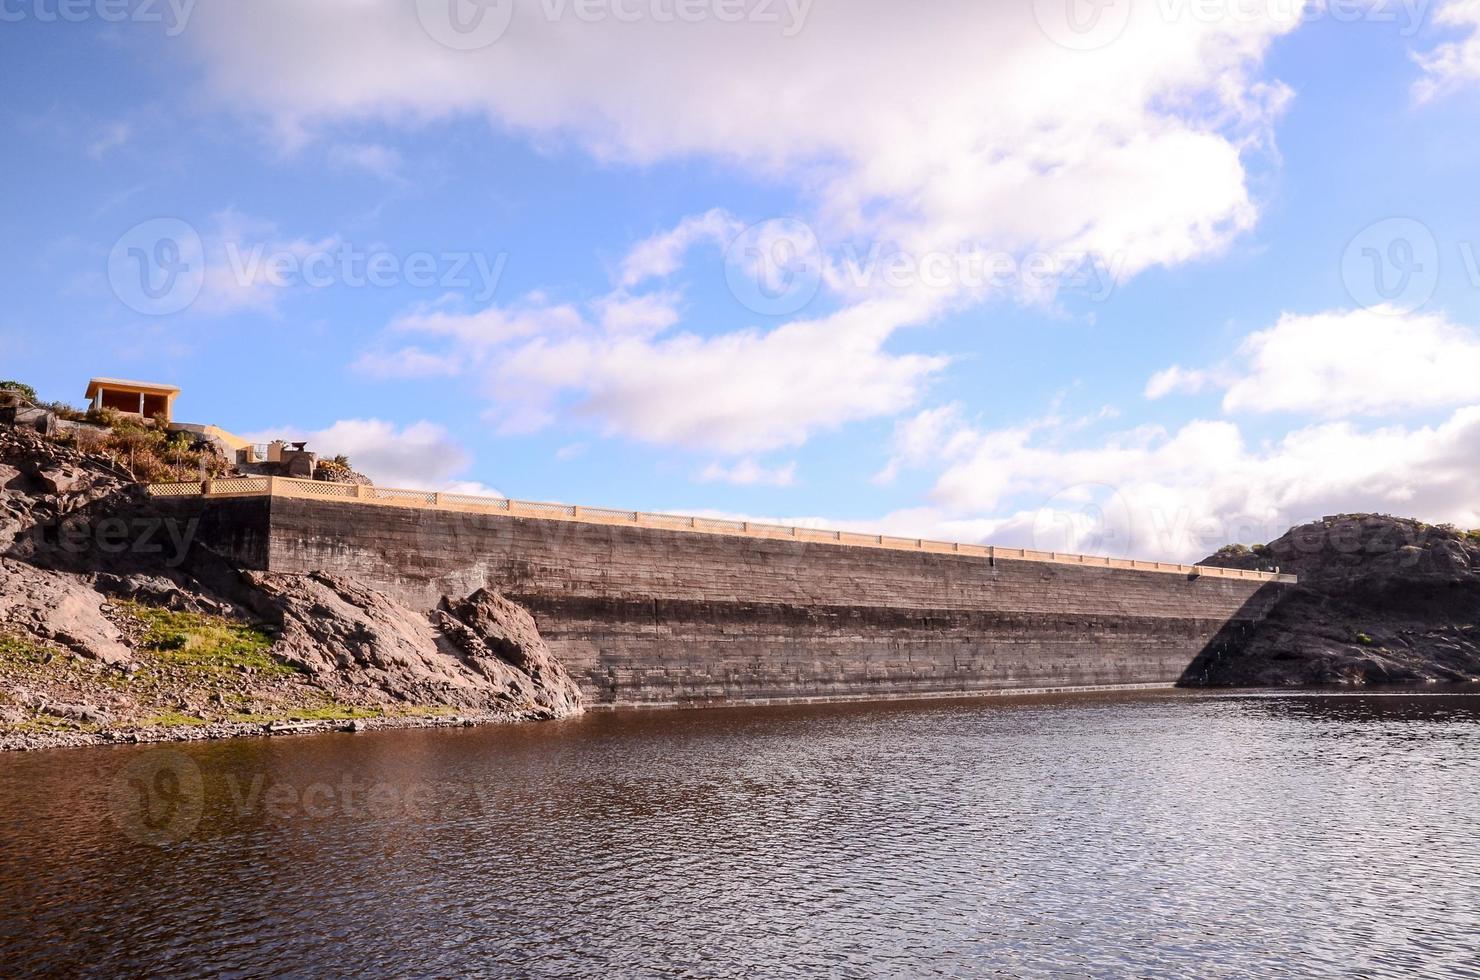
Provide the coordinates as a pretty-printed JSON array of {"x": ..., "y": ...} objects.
[
  {"x": 35, "y": 740},
  {"x": 114, "y": 629}
]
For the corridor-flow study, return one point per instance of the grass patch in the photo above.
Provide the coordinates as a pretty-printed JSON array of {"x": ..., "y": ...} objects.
[
  {"x": 1364, "y": 639},
  {"x": 205, "y": 642},
  {"x": 21, "y": 649},
  {"x": 331, "y": 712}
]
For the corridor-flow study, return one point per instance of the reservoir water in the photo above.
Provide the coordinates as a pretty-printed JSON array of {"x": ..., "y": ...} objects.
[{"x": 1177, "y": 834}]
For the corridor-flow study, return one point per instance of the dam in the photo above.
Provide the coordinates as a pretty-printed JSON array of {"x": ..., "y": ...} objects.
[{"x": 660, "y": 610}]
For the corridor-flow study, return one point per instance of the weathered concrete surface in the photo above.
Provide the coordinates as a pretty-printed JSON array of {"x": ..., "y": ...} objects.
[{"x": 641, "y": 616}]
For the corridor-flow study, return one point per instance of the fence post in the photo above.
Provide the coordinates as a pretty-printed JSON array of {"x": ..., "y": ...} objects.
[{"x": 436, "y": 500}]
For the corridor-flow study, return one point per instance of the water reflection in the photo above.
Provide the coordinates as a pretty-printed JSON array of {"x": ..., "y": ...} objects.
[{"x": 1156, "y": 835}]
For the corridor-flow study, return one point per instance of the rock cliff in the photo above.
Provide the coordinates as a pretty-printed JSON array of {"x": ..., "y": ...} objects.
[
  {"x": 111, "y": 626},
  {"x": 1381, "y": 600}
]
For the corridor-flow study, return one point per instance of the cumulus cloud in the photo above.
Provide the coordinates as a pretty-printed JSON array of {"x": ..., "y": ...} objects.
[
  {"x": 993, "y": 138},
  {"x": 1176, "y": 379},
  {"x": 663, "y": 253},
  {"x": 1179, "y": 494},
  {"x": 1454, "y": 64},
  {"x": 993, "y": 133},
  {"x": 749, "y": 472},
  {"x": 616, "y": 364},
  {"x": 421, "y": 455},
  {"x": 1342, "y": 363}
]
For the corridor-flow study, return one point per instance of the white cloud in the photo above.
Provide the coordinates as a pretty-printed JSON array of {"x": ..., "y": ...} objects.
[
  {"x": 373, "y": 158},
  {"x": 739, "y": 392},
  {"x": 989, "y": 131},
  {"x": 1176, "y": 379},
  {"x": 1343, "y": 363},
  {"x": 749, "y": 472},
  {"x": 407, "y": 362},
  {"x": 421, "y": 455},
  {"x": 662, "y": 254},
  {"x": 922, "y": 439},
  {"x": 1178, "y": 495},
  {"x": 1453, "y": 64}
]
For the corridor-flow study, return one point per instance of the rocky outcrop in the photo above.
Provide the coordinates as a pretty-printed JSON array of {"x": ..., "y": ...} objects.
[
  {"x": 482, "y": 652},
  {"x": 82, "y": 553},
  {"x": 1381, "y": 600},
  {"x": 500, "y": 640}
]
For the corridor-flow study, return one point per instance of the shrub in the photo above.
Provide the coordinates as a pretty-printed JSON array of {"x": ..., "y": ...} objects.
[
  {"x": 1364, "y": 639},
  {"x": 26, "y": 391}
]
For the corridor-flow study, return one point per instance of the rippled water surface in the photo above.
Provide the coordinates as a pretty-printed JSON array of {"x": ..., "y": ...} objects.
[{"x": 1148, "y": 835}]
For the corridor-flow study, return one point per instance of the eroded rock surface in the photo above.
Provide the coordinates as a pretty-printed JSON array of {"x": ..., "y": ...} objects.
[
  {"x": 1381, "y": 600},
  {"x": 481, "y": 652}
]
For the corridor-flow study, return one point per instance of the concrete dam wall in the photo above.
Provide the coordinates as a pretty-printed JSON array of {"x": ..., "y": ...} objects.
[{"x": 649, "y": 616}]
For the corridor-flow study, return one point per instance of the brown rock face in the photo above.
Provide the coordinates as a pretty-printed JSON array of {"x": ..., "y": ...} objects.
[
  {"x": 483, "y": 652},
  {"x": 59, "y": 608},
  {"x": 1381, "y": 600},
  {"x": 501, "y": 641}
]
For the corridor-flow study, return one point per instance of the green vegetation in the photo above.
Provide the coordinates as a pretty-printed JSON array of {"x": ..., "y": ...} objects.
[
  {"x": 1364, "y": 639},
  {"x": 204, "y": 642},
  {"x": 22, "y": 650},
  {"x": 26, "y": 391}
]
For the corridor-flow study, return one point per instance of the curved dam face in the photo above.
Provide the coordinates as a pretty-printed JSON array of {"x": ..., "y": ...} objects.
[{"x": 643, "y": 616}]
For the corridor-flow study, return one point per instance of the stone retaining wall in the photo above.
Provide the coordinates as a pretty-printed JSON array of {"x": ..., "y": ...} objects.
[{"x": 645, "y": 616}]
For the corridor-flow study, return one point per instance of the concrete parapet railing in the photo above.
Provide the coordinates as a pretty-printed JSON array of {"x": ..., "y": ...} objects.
[{"x": 277, "y": 486}]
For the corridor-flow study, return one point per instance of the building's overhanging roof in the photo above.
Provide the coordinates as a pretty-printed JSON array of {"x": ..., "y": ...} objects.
[{"x": 121, "y": 384}]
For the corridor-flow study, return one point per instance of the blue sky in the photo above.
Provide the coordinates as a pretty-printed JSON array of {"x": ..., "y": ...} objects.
[{"x": 1234, "y": 279}]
